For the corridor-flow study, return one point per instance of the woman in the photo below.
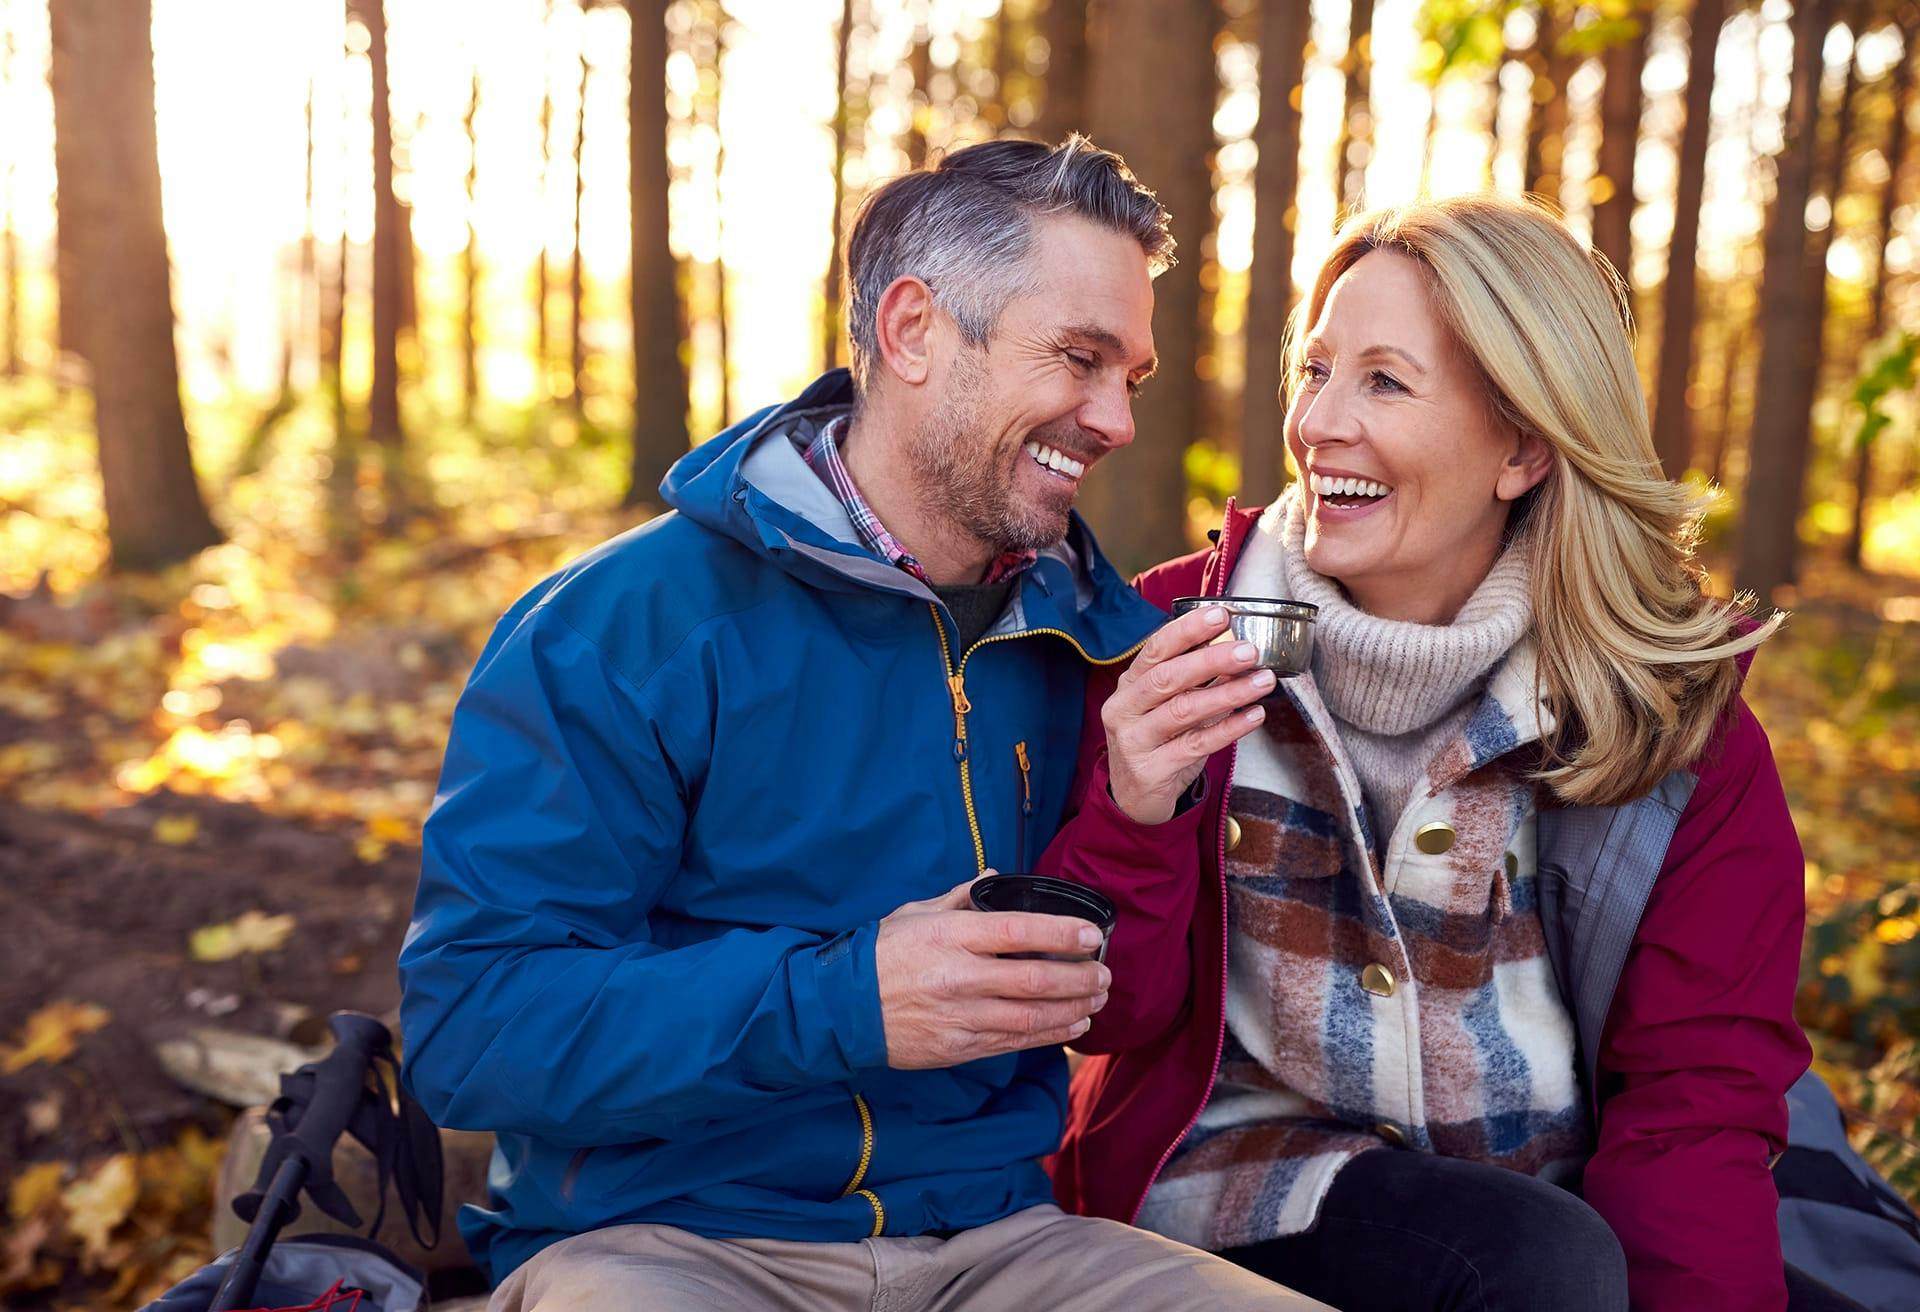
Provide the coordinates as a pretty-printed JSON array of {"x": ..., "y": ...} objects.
[{"x": 1382, "y": 980}]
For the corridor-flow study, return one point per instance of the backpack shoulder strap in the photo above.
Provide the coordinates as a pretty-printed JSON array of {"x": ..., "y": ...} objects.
[{"x": 1597, "y": 866}]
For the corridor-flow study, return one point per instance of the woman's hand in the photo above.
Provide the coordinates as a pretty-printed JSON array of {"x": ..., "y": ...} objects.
[{"x": 1184, "y": 698}]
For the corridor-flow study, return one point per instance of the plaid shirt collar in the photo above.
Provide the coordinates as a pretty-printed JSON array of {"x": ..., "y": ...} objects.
[{"x": 823, "y": 456}]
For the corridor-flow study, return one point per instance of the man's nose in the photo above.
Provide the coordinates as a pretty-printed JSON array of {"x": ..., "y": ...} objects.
[{"x": 1109, "y": 415}]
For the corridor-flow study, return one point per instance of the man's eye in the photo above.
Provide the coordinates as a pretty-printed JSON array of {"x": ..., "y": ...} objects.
[{"x": 1080, "y": 361}]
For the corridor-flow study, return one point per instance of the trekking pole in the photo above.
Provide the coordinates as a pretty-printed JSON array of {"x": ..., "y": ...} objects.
[{"x": 340, "y": 1078}]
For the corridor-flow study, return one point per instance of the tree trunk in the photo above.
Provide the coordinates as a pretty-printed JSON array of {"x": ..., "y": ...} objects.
[
  {"x": 1547, "y": 121},
  {"x": 9, "y": 241},
  {"x": 1276, "y": 182},
  {"x": 1789, "y": 327},
  {"x": 543, "y": 349},
  {"x": 832, "y": 328},
  {"x": 577, "y": 269},
  {"x": 920, "y": 100},
  {"x": 109, "y": 185},
  {"x": 720, "y": 297},
  {"x": 1008, "y": 47},
  {"x": 1672, "y": 415},
  {"x": 1620, "y": 103},
  {"x": 1063, "y": 100},
  {"x": 660, "y": 381},
  {"x": 1902, "y": 92},
  {"x": 470, "y": 266},
  {"x": 1353, "y": 148},
  {"x": 383, "y": 402},
  {"x": 1138, "y": 502}
]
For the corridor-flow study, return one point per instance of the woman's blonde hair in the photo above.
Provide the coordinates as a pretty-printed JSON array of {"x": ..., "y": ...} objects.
[{"x": 1636, "y": 661}]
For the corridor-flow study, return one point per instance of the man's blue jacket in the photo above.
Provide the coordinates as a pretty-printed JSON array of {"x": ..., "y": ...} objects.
[{"x": 688, "y": 776}]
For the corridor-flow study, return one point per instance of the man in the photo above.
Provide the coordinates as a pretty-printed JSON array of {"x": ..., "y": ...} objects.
[{"x": 691, "y": 936}]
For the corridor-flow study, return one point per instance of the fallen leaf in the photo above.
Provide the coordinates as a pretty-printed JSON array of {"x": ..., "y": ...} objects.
[
  {"x": 176, "y": 830},
  {"x": 52, "y": 1032},
  {"x": 249, "y": 932},
  {"x": 33, "y": 1188},
  {"x": 21, "y": 1266},
  {"x": 100, "y": 1202},
  {"x": 43, "y": 1114}
]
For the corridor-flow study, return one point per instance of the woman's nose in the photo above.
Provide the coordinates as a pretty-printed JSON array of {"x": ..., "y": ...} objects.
[{"x": 1329, "y": 416}]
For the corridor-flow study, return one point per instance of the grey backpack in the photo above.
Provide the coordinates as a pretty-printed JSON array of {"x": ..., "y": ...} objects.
[{"x": 1839, "y": 1221}]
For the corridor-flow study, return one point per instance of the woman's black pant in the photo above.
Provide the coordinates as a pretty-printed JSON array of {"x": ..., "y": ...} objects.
[{"x": 1413, "y": 1232}]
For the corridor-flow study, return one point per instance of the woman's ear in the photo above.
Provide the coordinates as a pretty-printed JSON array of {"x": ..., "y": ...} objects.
[
  {"x": 1529, "y": 462},
  {"x": 903, "y": 325}
]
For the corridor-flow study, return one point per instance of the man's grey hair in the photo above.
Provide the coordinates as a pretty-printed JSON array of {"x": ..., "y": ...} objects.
[{"x": 965, "y": 227}]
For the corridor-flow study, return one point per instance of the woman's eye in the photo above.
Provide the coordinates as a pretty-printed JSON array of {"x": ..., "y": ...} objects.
[
  {"x": 1312, "y": 371},
  {"x": 1387, "y": 382}
]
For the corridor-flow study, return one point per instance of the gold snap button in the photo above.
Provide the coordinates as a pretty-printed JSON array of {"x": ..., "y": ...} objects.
[
  {"x": 1513, "y": 866},
  {"x": 1233, "y": 833},
  {"x": 1435, "y": 838},
  {"x": 1392, "y": 1133},
  {"x": 1377, "y": 980}
]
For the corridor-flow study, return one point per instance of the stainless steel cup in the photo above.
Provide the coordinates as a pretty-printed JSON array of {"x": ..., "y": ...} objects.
[{"x": 1281, "y": 630}]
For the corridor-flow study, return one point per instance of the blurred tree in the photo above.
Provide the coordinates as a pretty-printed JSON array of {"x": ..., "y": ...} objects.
[
  {"x": 1063, "y": 102},
  {"x": 1009, "y": 57},
  {"x": 832, "y": 328},
  {"x": 713, "y": 79},
  {"x": 920, "y": 98},
  {"x": 1907, "y": 23},
  {"x": 389, "y": 232},
  {"x": 1672, "y": 415},
  {"x": 660, "y": 379},
  {"x": 542, "y": 280},
  {"x": 1552, "y": 66},
  {"x": 10, "y": 279},
  {"x": 470, "y": 262},
  {"x": 1624, "y": 62},
  {"x": 1167, "y": 138},
  {"x": 1276, "y": 183},
  {"x": 1789, "y": 325},
  {"x": 109, "y": 198},
  {"x": 1353, "y": 147},
  {"x": 577, "y": 267}
]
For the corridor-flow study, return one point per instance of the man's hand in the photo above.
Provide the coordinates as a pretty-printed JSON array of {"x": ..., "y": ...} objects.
[
  {"x": 947, "y": 998},
  {"x": 1178, "y": 703}
]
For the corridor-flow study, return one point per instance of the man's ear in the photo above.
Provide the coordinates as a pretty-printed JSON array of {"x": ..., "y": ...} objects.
[
  {"x": 1529, "y": 461},
  {"x": 903, "y": 325}
]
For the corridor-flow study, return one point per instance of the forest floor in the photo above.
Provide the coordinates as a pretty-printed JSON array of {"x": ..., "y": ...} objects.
[{"x": 212, "y": 780}]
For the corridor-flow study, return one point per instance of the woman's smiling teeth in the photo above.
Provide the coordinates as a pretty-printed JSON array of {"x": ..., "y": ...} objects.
[
  {"x": 1323, "y": 486},
  {"x": 1058, "y": 461}
]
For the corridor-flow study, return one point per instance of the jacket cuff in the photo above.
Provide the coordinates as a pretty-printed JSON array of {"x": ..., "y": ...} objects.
[
  {"x": 1177, "y": 829},
  {"x": 844, "y": 980}
]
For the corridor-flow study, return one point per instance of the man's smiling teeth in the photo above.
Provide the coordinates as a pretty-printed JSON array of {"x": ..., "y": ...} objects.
[
  {"x": 1058, "y": 461},
  {"x": 1346, "y": 487}
]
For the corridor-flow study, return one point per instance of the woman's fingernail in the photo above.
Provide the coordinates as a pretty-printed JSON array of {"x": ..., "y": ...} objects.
[
  {"x": 1245, "y": 652},
  {"x": 1256, "y": 714},
  {"x": 1263, "y": 678}
]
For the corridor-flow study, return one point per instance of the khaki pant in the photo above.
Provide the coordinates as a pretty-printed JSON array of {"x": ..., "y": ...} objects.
[{"x": 1035, "y": 1260}]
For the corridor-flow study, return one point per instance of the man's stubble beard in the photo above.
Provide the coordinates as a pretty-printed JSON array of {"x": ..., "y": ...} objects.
[{"x": 964, "y": 480}]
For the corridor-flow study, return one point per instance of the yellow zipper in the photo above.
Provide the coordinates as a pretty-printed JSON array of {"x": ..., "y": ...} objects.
[
  {"x": 866, "y": 1160},
  {"x": 866, "y": 1145},
  {"x": 957, "y": 688}
]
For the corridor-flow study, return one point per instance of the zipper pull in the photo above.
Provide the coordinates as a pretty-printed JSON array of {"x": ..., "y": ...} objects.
[
  {"x": 957, "y": 686},
  {"x": 1026, "y": 778}
]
